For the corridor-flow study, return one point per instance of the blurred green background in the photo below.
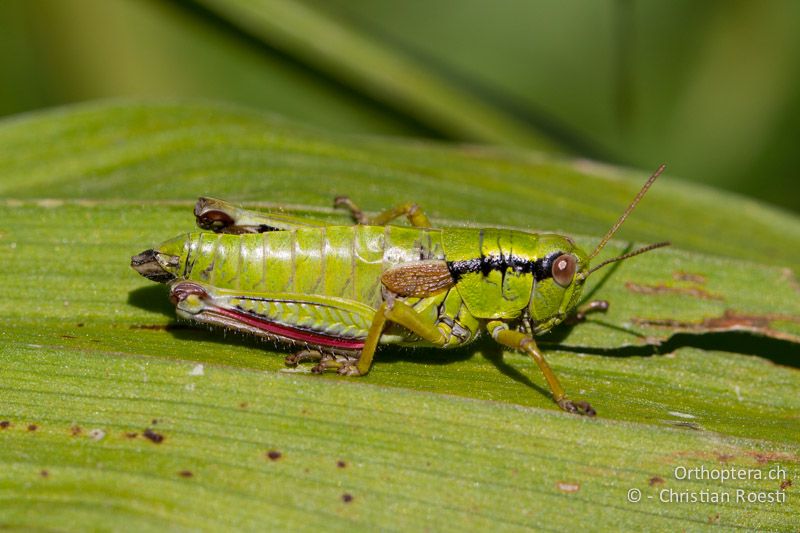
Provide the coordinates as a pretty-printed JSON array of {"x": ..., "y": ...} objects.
[{"x": 712, "y": 88}]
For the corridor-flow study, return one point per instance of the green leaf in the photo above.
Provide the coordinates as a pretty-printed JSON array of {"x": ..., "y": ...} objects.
[{"x": 118, "y": 416}]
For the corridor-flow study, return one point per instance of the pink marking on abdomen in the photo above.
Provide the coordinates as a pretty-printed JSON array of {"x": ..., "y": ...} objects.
[{"x": 292, "y": 333}]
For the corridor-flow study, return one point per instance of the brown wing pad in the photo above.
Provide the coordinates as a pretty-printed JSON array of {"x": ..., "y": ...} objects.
[{"x": 418, "y": 279}]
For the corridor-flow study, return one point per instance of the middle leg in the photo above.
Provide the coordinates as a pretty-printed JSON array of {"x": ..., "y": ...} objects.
[{"x": 441, "y": 333}]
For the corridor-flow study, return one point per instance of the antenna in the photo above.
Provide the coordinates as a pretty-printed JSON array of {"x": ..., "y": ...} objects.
[
  {"x": 627, "y": 212},
  {"x": 629, "y": 254}
]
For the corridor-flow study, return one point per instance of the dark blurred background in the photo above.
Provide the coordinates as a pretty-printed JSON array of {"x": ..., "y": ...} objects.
[{"x": 712, "y": 87}]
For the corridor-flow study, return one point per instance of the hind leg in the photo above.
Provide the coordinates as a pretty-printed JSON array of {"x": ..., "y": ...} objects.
[{"x": 302, "y": 357}]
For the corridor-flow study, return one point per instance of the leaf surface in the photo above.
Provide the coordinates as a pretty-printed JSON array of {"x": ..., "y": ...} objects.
[{"x": 117, "y": 414}]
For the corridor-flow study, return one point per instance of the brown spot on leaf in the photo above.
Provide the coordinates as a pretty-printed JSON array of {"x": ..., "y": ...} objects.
[
  {"x": 75, "y": 430},
  {"x": 681, "y": 275},
  {"x": 32, "y": 427},
  {"x": 761, "y": 459},
  {"x": 788, "y": 275},
  {"x": 274, "y": 455},
  {"x": 131, "y": 435},
  {"x": 79, "y": 325},
  {"x": 347, "y": 497},
  {"x": 655, "y": 480},
  {"x": 785, "y": 484},
  {"x": 729, "y": 321},
  {"x": 757, "y": 456},
  {"x": 732, "y": 320},
  {"x": 724, "y": 457},
  {"x": 5, "y": 424},
  {"x": 341, "y": 464},
  {"x": 44, "y": 473},
  {"x": 185, "y": 473},
  {"x": 713, "y": 519},
  {"x": 154, "y": 421},
  {"x": 768, "y": 457},
  {"x": 152, "y": 436},
  {"x": 567, "y": 487},
  {"x": 663, "y": 288},
  {"x": 243, "y": 405}
]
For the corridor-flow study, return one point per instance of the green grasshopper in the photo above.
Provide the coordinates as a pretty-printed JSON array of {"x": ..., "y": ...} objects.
[{"x": 339, "y": 291}]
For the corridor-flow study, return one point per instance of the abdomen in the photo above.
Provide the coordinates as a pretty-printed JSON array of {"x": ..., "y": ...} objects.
[{"x": 339, "y": 261}]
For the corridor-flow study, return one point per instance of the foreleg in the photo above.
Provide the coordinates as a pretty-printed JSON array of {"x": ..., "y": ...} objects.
[{"x": 525, "y": 343}]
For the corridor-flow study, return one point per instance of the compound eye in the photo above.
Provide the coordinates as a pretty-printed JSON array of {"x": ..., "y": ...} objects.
[{"x": 564, "y": 269}]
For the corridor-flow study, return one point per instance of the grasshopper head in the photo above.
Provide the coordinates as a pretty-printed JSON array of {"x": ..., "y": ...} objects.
[
  {"x": 558, "y": 282},
  {"x": 162, "y": 264}
]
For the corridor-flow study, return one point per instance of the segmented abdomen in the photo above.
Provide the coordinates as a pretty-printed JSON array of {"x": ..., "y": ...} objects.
[{"x": 340, "y": 261}]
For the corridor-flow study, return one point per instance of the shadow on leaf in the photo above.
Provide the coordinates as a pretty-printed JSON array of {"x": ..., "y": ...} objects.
[
  {"x": 153, "y": 298},
  {"x": 778, "y": 351}
]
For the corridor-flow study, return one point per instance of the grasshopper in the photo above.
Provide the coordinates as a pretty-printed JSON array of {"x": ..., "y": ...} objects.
[{"x": 339, "y": 291}]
